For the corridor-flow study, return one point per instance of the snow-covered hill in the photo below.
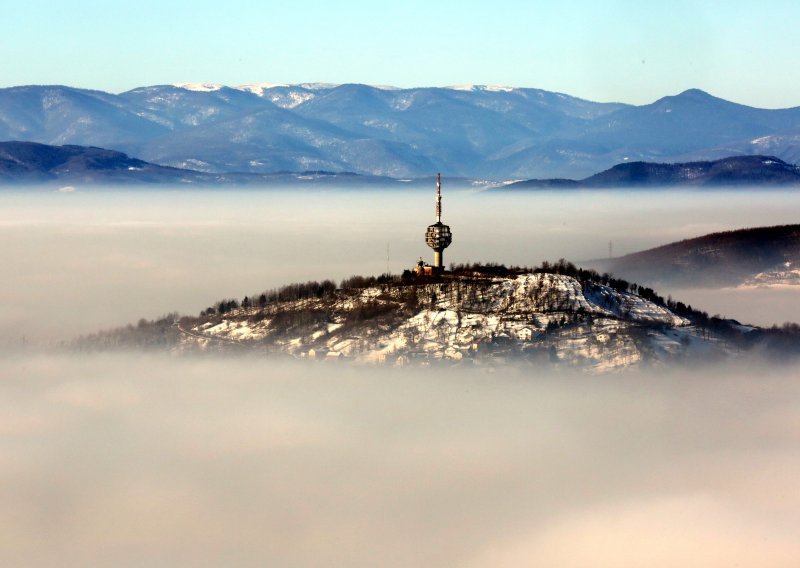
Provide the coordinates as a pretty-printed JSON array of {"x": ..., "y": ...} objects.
[
  {"x": 529, "y": 316},
  {"x": 470, "y": 318}
]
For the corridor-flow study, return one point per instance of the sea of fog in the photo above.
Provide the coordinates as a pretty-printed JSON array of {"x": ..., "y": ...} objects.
[
  {"x": 78, "y": 261},
  {"x": 139, "y": 459},
  {"x": 150, "y": 460}
]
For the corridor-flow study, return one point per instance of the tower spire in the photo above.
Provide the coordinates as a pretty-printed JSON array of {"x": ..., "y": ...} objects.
[
  {"x": 438, "y": 235},
  {"x": 438, "y": 198}
]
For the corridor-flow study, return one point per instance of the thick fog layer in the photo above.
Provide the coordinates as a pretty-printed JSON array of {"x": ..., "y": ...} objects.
[
  {"x": 146, "y": 460},
  {"x": 158, "y": 461},
  {"x": 75, "y": 262}
]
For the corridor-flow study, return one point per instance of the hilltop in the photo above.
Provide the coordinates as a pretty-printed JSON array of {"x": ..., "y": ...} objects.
[
  {"x": 555, "y": 314},
  {"x": 758, "y": 256}
]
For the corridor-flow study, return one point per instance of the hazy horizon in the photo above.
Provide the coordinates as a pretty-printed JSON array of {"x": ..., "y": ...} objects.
[{"x": 202, "y": 85}]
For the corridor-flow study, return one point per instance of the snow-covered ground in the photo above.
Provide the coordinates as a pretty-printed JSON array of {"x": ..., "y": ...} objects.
[
  {"x": 788, "y": 274},
  {"x": 535, "y": 317}
]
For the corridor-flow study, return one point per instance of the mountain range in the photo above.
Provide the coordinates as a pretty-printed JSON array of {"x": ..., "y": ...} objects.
[
  {"x": 34, "y": 163},
  {"x": 479, "y": 132}
]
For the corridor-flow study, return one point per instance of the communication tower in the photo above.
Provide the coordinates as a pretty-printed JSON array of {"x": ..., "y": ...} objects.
[{"x": 438, "y": 235}]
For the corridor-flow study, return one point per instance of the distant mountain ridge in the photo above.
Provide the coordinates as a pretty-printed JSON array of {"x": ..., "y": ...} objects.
[
  {"x": 33, "y": 163},
  {"x": 736, "y": 170},
  {"x": 481, "y": 132}
]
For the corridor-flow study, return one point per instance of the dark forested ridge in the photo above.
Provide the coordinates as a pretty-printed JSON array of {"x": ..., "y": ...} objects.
[
  {"x": 725, "y": 258},
  {"x": 30, "y": 162},
  {"x": 33, "y": 163},
  {"x": 735, "y": 170}
]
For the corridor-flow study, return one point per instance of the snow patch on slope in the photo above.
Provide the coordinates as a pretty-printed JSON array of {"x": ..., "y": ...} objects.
[
  {"x": 200, "y": 87},
  {"x": 488, "y": 88},
  {"x": 784, "y": 275},
  {"x": 259, "y": 88},
  {"x": 536, "y": 316}
]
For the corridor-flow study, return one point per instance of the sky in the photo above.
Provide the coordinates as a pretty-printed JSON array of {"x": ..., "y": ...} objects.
[{"x": 618, "y": 50}]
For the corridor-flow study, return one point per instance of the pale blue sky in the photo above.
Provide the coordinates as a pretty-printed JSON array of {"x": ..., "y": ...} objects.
[{"x": 616, "y": 50}]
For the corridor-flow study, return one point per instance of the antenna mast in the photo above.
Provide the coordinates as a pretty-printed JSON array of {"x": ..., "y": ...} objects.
[
  {"x": 438, "y": 235},
  {"x": 438, "y": 198}
]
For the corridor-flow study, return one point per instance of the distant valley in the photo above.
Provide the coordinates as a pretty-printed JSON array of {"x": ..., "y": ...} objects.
[{"x": 477, "y": 132}]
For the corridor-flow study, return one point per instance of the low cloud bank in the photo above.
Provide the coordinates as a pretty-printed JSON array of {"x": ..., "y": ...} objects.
[{"x": 131, "y": 460}]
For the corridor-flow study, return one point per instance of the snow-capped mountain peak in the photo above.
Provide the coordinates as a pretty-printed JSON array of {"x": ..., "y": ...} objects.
[
  {"x": 317, "y": 86},
  {"x": 200, "y": 87},
  {"x": 259, "y": 88},
  {"x": 488, "y": 88}
]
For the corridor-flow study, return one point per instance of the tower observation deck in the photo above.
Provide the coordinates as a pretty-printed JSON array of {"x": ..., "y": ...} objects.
[{"x": 438, "y": 235}]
